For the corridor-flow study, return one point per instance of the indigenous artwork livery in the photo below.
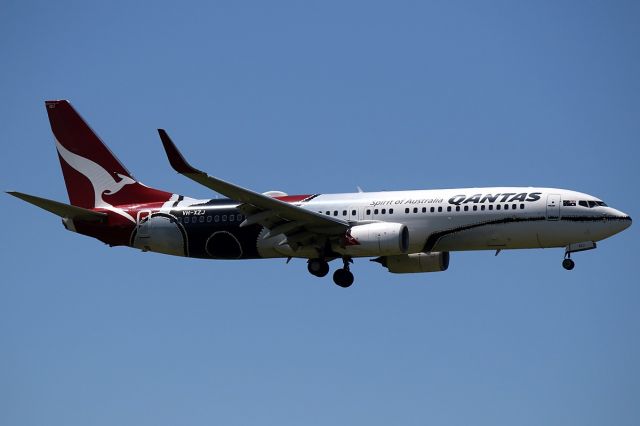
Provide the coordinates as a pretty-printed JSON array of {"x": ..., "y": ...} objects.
[{"x": 404, "y": 231}]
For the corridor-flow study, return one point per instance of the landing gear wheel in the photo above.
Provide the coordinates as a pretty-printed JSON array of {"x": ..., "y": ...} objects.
[
  {"x": 568, "y": 264},
  {"x": 343, "y": 277},
  {"x": 318, "y": 267}
]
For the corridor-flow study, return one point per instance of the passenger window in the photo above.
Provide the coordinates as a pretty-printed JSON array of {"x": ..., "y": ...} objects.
[
  {"x": 482, "y": 207},
  {"x": 224, "y": 217},
  {"x": 415, "y": 210},
  {"x": 344, "y": 212},
  {"x": 201, "y": 219},
  {"x": 491, "y": 207},
  {"x": 521, "y": 206},
  {"x": 475, "y": 207},
  {"x": 390, "y": 211},
  {"x": 506, "y": 206},
  {"x": 186, "y": 219},
  {"x": 406, "y": 210},
  {"x": 328, "y": 213},
  {"x": 466, "y": 208},
  {"x": 368, "y": 212},
  {"x": 433, "y": 209},
  {"x": 239, "y": 217},
  {"x": 457, "y": 208},
  {"x": 513, "y": 207},
  {"x": 375, "y": 211},
  {"x": 209, "y": 219},
  {"x": 353, "y": 213},
  {"x": 384, "y": 211},
  {"x": 216, "y": 218},
  {"x": 439, "y": 209},
  {"x": 498, "y": 207},
  {"x": 448, "y": 208}
]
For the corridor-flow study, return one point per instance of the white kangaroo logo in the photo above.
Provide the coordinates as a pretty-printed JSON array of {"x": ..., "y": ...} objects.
[{"x": 101, "y": 180}]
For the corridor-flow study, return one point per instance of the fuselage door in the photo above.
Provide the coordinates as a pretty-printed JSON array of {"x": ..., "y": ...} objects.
[{"x": 553, "y": 207}]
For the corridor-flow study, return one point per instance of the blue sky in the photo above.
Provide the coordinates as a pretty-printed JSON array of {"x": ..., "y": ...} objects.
[{"x": 308, "y": 98}]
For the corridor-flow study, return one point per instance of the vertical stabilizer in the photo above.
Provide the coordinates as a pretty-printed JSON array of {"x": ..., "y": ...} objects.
[{"x": 93, "y": 175}]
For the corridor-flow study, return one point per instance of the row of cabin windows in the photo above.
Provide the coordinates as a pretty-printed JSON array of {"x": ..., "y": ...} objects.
[
  {"x": 344, "y": 212},
  {"x": 474, "y": 208},
  {"x": 209, "y": 219},
  {"x": 432, "y": 209}
]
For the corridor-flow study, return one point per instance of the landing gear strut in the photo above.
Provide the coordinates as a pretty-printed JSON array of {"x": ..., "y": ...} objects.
[
  {"x": 343, "y": 277},
  {"x": 318, "y": 267}
]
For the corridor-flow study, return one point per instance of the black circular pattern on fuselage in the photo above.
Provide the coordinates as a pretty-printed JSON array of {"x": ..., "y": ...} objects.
[{"x": 223, "y": 245}]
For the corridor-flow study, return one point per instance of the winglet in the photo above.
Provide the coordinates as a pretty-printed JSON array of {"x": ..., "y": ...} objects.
[{"x": 176, "y": 159}]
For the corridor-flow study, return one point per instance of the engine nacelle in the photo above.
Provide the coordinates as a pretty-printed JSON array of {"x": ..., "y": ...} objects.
[
  {"x": 375, "y": 239},
  {"x": 415, "y": 262}
]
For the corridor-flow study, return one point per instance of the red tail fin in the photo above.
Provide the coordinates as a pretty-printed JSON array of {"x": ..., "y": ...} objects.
[{"x": 93, "y": 175}]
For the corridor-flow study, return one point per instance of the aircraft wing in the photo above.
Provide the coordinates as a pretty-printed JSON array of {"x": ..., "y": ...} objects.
[{"x": 299, "y": 225}]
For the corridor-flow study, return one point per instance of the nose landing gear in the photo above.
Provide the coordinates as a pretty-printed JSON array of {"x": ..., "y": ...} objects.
[{"x": 568, "y": 263}]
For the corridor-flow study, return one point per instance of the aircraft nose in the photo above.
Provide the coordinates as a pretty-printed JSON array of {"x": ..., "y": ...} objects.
[{"x": 624, "y": 219}]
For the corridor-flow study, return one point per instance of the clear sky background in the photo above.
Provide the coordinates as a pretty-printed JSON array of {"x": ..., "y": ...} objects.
[{"x": 308, "y": 98}]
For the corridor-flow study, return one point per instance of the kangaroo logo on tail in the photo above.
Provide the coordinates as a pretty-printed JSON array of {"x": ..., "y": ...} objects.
[{"x": 101, "y": 180}]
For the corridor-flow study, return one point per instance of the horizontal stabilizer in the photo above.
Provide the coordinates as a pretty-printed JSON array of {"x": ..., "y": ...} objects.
[{"x": 61, "y": 209}]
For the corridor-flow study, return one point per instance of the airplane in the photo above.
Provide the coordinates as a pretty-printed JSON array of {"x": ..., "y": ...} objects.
[{"x": 404, "y": 231}]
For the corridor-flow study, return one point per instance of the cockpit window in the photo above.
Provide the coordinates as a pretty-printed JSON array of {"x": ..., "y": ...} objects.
[{"x": 591, "y": 204}]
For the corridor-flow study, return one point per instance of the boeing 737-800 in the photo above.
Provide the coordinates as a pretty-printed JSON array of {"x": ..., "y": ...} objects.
[{"x": 404, "y": 231}]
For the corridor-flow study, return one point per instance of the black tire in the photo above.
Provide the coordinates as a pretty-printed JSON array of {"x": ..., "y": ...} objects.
[
  {"x": 343, "y": 278},
  {"x": 318, "y": 267},
  {"x": 568, "y": 264}
]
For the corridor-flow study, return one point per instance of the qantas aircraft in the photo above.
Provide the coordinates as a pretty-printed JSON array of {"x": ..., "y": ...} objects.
[{"x": 404, "y": 231}]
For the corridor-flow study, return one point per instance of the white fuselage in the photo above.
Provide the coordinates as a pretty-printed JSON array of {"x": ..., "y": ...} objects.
[{"x": 481, "y": 218}]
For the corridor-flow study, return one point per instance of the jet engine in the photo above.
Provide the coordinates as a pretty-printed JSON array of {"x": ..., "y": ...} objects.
[
  {"x": 415, "y": 262},
  {"x": 375, "y": 239}
]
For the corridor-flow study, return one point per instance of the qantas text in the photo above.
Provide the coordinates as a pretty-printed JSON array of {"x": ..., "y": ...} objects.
[{"x": 506, "y": 197}]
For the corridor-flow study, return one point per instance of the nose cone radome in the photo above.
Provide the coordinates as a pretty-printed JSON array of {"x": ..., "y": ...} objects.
[{"x": 623, "y": 221}]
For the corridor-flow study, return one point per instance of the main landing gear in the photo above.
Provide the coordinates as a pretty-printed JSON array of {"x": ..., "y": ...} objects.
[
  {"x": 318, "y": 267},
  {"x": 568, "y": 263},
  {"x": 342, "y": 277}
]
